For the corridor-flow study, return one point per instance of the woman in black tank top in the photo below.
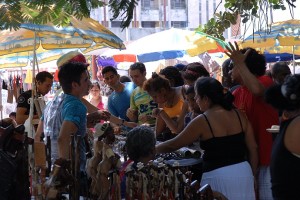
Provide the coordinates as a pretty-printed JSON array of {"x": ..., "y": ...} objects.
[
  {"x": 230, "y": 150},
  {"x": 285, "y": 158}
]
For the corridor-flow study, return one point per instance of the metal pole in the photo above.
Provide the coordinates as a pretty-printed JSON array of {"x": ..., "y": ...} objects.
[
  {"x": 1, "y": 98},
  {"x": 294, "y": 70},
  {"x": 33, "y": 87}
]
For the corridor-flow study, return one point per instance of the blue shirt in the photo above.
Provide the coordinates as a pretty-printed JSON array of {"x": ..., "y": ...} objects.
[
  {"x": 119, "y": 102},
  {"x": 65, "y": 108}
]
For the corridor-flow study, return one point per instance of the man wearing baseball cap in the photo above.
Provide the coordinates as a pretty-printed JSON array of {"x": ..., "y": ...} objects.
[{"x": 72, "y": 56}]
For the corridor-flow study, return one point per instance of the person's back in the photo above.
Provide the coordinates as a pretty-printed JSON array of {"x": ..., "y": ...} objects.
[
  {"x": 285, "y": 160},
  {"x": 249, "y": 71},
  {"x": 140, "y": 147},
  {"x": 223, "y": 140},
  {"x": 53, "y": 120},
  {"x": 226, "y": 137},
  {"x": 260, "y": 114}
]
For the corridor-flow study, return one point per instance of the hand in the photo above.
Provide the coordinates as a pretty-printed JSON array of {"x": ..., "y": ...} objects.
[
  {"x": 156, "y": 112},
  {"x": 117, "y": 130},
  {"x": 235, "y": 54},
  {"x": 95, "y": 117},
  {"x": 130, "y": 124},
  {"x": 104, "y": 115},
  {"x": 144, "y": 118},
  {"x": 60, "y": 174},
  {"x": 131, "y": 114}
]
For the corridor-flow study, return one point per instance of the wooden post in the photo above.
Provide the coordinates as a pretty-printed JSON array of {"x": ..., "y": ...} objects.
[{"x": 94, "y": 68}]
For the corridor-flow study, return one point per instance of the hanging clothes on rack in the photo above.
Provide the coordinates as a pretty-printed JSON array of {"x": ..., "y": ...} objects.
[
  {"x": 18, "y": 85},
  {"x": 4, "y": 85},
  {"x": 10, "y": 96},
  {"x": 14, "y": 87}
]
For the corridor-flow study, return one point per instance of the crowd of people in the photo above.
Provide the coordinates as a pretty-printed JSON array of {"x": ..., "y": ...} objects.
[{"x": 181, "y": 106}]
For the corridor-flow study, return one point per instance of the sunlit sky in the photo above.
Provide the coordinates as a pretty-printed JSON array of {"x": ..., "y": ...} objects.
[
  {"x": 285, "y": 15},
  {"x": 280, "y": 15}
]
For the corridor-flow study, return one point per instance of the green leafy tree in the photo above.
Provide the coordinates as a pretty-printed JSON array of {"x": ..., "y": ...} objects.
[
  {"x": 249, "y": 10},
  {"x": 15, "y": 12}
]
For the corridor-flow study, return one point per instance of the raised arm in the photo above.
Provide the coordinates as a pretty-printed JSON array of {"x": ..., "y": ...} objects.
[{"x": 249, "y": 80}]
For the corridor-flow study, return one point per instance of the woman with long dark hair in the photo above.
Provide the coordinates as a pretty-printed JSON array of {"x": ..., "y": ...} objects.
[{"x": 226, "y": 136}]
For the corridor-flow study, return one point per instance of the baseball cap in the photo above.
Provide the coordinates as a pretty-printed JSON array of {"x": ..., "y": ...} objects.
[{"x": 72, "y": 56}]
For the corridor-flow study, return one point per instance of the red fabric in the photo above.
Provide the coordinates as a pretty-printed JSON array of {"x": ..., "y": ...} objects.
[
  {"x": 56, "y": 76},
  {"x": 79, "y": 58},
  {"x": 100, "y": 105},
  {"x": 261, "y": 115},
  {"x": 123, "y": 168},
  {"x": 124, "y": 58}
]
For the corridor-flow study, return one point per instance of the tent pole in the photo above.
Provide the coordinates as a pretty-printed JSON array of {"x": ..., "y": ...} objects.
[
  {"x": 31, "y": 131},
  {"x": 1, "y": 98},
  {"x": 294, "y": 70}
]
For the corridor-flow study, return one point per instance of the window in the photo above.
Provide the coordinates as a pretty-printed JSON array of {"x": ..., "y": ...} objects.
[
  {"x": 115, "y": 24},
  {"x": 200, "y": 12},
  {"x": 207, "y": 10},
  {"x": 178, "y": 4},
  {"x": 149, "y": 4},
  {"x": 148, "y": 24},
  {"x": 214, "y": 5},
  {"x": 179, "y": 24}
]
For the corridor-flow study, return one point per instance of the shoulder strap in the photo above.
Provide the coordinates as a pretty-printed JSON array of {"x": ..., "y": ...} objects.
[
  {"x": 209, "y": 125},
  {"x": 239, "y": 119},
  {"x": 183, "y": 91}
]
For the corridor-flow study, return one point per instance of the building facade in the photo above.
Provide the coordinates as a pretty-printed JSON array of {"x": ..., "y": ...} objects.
[{"x": 152, "y": 16}]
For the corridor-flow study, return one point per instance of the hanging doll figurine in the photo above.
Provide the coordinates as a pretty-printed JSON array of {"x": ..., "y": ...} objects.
[
  {"x": 92, "y": 163},
  {"x": 110, "y": 160}
]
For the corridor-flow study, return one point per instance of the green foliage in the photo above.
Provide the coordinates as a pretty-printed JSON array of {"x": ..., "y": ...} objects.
[
  {"x": 15, "y": 12},
  {"x": 216, "y": 26},
  {"x": 248, "y": 11},
  {"x": 58, "y": 12},
  {"x": 10, "y": 15},
  {"x": 123, "y": 9}
]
